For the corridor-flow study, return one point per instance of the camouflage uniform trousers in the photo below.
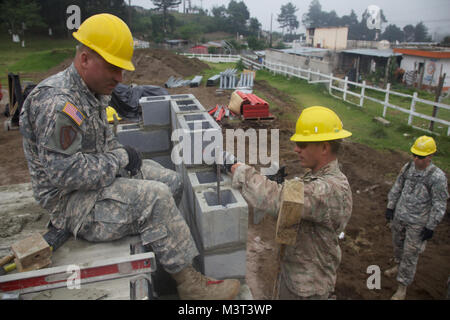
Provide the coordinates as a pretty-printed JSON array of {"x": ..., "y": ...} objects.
[
  {"x": 285, "y": 294},
  {"x": 144, "y": 205},
  {"x": 408, "y": 245}
]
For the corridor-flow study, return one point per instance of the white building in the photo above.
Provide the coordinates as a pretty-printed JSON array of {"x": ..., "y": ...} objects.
[{"x": 424, "y": 67}]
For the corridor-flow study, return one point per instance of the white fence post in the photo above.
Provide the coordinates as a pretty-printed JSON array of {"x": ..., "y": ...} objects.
[
  {"x": 345, "y": 89},
  {"x": 363, "y": 90},
  {"x": 331, "y": 83},
  {"x": 309, "y": 75},
  {"x": 412, "y": 108},
  {"x": 386, "y": 99}
]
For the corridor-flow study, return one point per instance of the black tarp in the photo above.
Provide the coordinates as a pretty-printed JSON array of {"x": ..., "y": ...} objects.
[{"x": 125, "y": 99}]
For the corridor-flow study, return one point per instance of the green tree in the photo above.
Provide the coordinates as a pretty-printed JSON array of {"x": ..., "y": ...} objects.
[
  {"x": 288, "y": 18},
  {"x": 314, "y": 17},
  {"x": 238, "y": 15},
  {"x": 164, "y": 6},
  {"x": 256, "y": 44},
  {"x": 421, "y": 33},
  {"x": 351, "y": 21},
  {"x": 446, "y": 41},
  {"x": 409, "y": 32},
  {"x": 254, "y": 27},
  {"x": 392, "y": 33},
  {"x": 16, "y": 14}
]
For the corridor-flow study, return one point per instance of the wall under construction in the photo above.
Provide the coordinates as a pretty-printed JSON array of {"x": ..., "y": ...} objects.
[{"x": 219, "y": 229}]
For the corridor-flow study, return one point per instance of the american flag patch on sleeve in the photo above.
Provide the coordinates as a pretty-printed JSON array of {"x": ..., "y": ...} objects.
[{"x": 74, "y": 113}]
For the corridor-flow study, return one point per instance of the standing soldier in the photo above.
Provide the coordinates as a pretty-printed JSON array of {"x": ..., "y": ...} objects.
[
  {"x": 416, "y": 204},
  {"x": 308, "y": 268},
  {"x": 93, "y": 186}
]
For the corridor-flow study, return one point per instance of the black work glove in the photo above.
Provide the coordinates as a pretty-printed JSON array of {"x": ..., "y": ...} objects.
[
  {"x": 134, "y": 160},
  {"x": 228, "y": 161},
  {"x": 389, "y": 214},
  {"x": 279, "y": 176},
  {"x": 426, "y": 234}
]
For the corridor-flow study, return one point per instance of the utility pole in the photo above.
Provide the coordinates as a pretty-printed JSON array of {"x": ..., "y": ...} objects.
[{"x": 270, "y": 46}]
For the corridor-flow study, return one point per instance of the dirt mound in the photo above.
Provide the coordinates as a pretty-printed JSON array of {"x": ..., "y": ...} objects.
[{"x": 155, "y": 66}]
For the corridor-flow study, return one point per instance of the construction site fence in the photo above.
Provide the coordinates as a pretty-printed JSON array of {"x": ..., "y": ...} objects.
[
  {"x": 343, "y": 85},
  {"x": 215, "y": 58}
]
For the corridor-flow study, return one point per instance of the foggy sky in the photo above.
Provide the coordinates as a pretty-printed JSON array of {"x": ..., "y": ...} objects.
[{"x": 435, "y": 14}]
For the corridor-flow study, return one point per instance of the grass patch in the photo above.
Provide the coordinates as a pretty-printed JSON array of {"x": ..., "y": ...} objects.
[
  {"x": 41, "y": 60},
  {"x": 39, "y": 54},
  {"x": 398, "y": 136}
]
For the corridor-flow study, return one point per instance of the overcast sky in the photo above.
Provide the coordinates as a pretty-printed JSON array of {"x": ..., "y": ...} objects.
[{"x": 434, "y": 13}]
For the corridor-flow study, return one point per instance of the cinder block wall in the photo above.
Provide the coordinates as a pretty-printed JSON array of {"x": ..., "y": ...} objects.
[{"x": 219, "y": 229}]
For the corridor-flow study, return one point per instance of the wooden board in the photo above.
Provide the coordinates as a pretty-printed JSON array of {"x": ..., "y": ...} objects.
[{"x": 290, "y": 212}]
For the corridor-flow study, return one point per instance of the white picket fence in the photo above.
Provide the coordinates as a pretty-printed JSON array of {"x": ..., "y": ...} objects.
[
  {"x": 343, "y": 86},
  {"x": 215, "y": 58}
]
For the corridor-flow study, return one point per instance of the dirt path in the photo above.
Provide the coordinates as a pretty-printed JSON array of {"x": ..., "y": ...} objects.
[{"x": 370, "y": 172}]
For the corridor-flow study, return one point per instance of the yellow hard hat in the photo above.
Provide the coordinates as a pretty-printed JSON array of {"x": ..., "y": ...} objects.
[
  {"x": 319, "y": 124},
  {"x": 110, "y": 37},
  {"x": 110, "y": 112},
  {"x": 424, "y": 146}
]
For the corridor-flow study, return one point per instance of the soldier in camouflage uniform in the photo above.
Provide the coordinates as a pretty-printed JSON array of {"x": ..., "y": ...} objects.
[
  {"x": 416, "y": 204},
  {"x": 308, "y": 268},
  {"x": 93, "y": 186}
]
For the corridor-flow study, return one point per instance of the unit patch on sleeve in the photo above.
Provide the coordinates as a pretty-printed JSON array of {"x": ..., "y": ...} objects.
[
  {"x": 67, "y": 136},
  {"x": 73, "y": 113}
]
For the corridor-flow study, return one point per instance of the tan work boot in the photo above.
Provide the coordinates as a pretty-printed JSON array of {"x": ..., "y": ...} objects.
[
  {"x": 192, "y": 285},
  {"x": 392, "y": 272},
  {"x": 400, "y": 294}
]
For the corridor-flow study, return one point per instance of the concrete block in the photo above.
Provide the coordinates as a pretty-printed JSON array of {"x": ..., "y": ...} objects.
[
  {"x": 204, "y": 135},
  {"x": 196, "y": 179},
  {"x": 221, "y": 225},
  {"x": 164, "y": 160},
  {"x": 190, "y": 105},
  {"x": 144, "y": 141},
  {"x": 153, "y": 98},
  {"x": 182, "y": 96},
  {"x": 155, "y": 113},
  {"x": 226, "y": 264}
]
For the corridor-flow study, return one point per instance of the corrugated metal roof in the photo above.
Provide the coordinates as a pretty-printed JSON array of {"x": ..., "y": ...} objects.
[
  {"x": 374, "y": 52},
  {"x": 306, "y": 51}
]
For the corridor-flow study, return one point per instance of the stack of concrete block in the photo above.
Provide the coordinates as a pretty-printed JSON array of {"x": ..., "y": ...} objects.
[
  {"x": 222, "y": 229},
  {"x": 219, "y": 229}
]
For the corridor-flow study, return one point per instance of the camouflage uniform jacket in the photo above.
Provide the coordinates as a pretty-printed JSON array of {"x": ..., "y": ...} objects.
[
  {"x": 70, "y": 149},
  {"x": 309, "y": 267},
  {"x": 419, "y": 198}
]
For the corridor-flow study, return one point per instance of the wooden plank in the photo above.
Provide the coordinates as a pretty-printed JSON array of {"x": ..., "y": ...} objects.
[{"x": 290, "y": 212}]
